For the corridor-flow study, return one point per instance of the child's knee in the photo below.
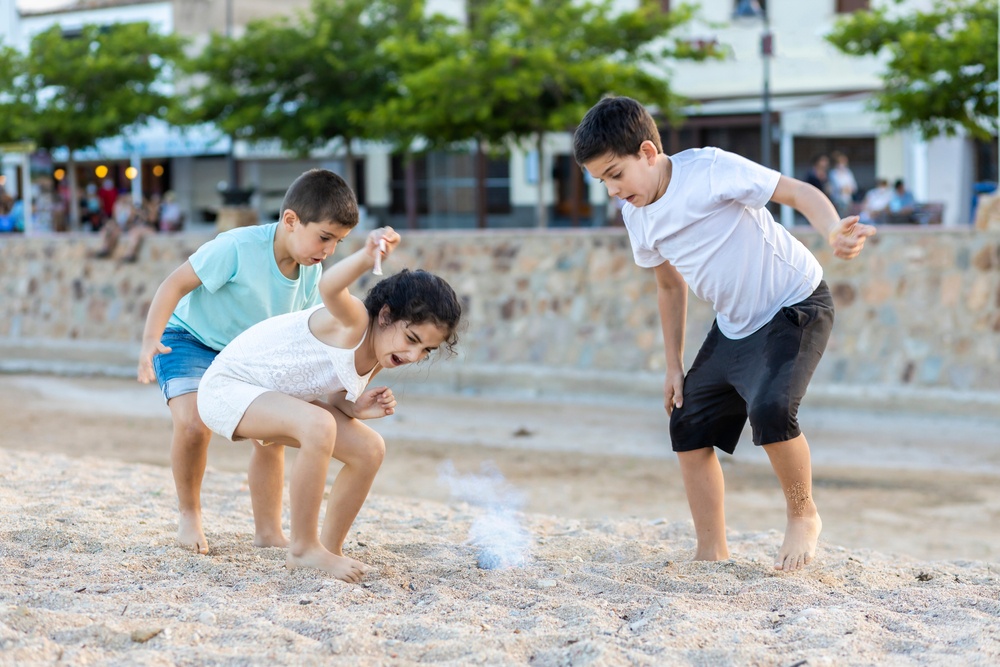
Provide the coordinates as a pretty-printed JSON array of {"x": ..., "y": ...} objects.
[
  {"x": 374, "y": 450},
  {"x": 192, "y": 431},
  {"x": 319, "y": 434}
]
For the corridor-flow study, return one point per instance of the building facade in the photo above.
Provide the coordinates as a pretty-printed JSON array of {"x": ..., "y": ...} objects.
[{"x": 817, "y": 100}]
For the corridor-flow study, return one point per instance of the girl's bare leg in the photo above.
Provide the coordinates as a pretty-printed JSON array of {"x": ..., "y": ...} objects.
[
  {"x": 706, "y": 489},
  {"x": 362, "y": 451},
  {"x": 793, "y": 466},
  {"x": 188, "y": 460},
  {"x": 274, "y": 417},
  {"x": 267, "y": 484}
]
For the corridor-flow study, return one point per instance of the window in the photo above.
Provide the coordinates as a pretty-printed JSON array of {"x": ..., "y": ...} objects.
[
  {"x": 445, "y": 185},
  {"x": 749, "y": 8},
  {"x": 848, "y": 6}
]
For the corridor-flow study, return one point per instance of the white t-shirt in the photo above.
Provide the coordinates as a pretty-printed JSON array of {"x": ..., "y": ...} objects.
[{"x": 711, "y": 225}]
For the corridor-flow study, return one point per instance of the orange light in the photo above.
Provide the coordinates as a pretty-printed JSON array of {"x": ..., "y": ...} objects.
[
  {"x": 158, "y": 170},
  {"x": 131, "y": 173},
  {"x": 59, "y": 174},
  {"x": 101, "y": 171}
]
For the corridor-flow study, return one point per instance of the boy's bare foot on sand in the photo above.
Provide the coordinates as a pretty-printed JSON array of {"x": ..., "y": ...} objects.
[
  {"x": 342, "y": 567},
  {"x": 365, "y": 569},
  {"x": 190, "y": 534},
  {"x": 799, "y": 546},
  {"x": 712, "y": 552},
  {"x": 270, "y": 539}
]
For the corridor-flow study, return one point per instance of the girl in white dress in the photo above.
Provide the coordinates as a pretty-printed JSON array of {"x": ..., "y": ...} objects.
[{"x": 300, "y": 380}]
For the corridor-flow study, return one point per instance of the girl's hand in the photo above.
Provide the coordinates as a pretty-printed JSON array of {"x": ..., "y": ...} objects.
[
  {"x": 375, "y": 403},
  {"x": 387, "y": 236}
]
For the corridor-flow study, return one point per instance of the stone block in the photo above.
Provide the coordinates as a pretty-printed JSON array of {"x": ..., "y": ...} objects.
[
  {"x": 988, "y": 213},
  {"x": 231, "y": 217}
]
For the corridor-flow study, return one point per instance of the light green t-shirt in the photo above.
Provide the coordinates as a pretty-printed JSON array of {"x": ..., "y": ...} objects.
[{"x": 241, "y": 286}]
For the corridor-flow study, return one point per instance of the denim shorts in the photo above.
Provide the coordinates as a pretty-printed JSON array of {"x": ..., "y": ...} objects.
[{"x": 180, "y": 370}]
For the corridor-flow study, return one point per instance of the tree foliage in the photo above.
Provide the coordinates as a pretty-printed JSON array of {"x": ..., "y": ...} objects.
[
  {"x": 14, "y": 108},
  {"x": 297, "y": 79},
  {"x": 941, "y": 65},
  {"x": 97, "y": 84},
  {"x": 522, "y": 68}
]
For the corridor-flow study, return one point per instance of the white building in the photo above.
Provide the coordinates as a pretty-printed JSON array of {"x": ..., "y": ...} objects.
[
  {"x": 191, "y": 162},
  {"x": 818, "y": 101}
]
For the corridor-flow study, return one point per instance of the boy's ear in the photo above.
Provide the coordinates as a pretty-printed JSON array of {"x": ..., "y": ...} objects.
[
  {"x": 648, "y": 151},
  {"x": 289, "y": 218}
]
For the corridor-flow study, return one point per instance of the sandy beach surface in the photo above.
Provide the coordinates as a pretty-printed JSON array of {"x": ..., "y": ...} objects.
[{"x": 582, "y": 502}]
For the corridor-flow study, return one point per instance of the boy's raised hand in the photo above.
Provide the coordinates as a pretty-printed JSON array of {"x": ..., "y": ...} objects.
[
  {"x": 847, "y": 238},
  {"x": 375, "y": 403},
  {"x": 146, "y": 374}
]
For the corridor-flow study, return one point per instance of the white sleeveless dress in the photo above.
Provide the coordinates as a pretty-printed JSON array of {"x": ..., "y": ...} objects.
[{"x": 279, "y": 354}]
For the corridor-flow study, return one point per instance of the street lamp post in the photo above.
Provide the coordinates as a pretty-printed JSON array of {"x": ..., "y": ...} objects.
[
  {"x": 766, "y": 52},
  {"x": 751, "y": 9},
  {"x": 231, "y": 172}
]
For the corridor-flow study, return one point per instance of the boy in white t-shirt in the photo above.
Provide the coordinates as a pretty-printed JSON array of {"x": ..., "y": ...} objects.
[
  {"x": 239, "y": 278},
  {"x": 698, "y": 219}
]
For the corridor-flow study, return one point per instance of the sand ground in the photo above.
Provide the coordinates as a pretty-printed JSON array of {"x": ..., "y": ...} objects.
[
  {"x": 924, "y": 486},
  {"x": 906, "y": 574}
]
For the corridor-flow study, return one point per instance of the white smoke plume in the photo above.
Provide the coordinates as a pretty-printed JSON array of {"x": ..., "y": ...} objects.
[{"x": 500, "y": 539}]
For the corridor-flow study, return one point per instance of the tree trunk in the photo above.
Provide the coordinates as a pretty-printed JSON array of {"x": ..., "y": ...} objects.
[
  {"x": 411, "y": 191},
  {"x": 74, "y": 196},
  {"x": 574, "y": 190},
  {"x": 480, "y": 185},
  {"x": 352, "y": 182},
  {"x": 543, "y": 214}
]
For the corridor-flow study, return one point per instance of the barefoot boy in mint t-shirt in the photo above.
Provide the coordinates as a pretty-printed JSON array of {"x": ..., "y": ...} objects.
[{"x": 234, "y": 281}]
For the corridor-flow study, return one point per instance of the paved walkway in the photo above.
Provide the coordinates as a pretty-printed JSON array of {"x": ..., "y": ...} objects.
[{"x": 838, "y": 436}]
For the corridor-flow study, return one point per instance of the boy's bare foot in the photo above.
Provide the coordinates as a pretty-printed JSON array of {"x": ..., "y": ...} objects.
[
  {"x": 270, "y": 540},
  {"x": 799, "y": 546},
  {"x": 190, "y": 534},
  {"x": 712, "y": 552},
  {"x": 342, "y": 567},
  {"x": 365, "y": 569},
  {"x": 339, "y": 551}
]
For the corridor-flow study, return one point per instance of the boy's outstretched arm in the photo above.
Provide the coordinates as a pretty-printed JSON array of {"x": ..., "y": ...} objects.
[
  {"x": 671, "y": 299},
  {"x": 846, "y": 237},
  {"x": 182, "y": 281}
]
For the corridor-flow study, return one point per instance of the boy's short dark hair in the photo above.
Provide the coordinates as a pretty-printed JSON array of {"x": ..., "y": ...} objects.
[
  {"x": 319, "y": 195},
  {"x": 615, "y": 125}
]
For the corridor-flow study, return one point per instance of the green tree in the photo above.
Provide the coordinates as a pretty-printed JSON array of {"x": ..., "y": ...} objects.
[
  {"x": 297, "y": 79},
  {"x": 521, "y": 69},
  {"x": 941, "y": 65},
  {"x": 96, "y": 85},
  {"x": 13, "y": 108}
]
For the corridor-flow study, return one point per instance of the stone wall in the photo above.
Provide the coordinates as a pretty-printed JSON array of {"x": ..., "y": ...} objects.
[{"x": 919, "y": 310}]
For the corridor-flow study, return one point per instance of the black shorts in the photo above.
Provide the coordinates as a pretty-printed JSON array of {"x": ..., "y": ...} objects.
[{"x": 763, "y": 376}]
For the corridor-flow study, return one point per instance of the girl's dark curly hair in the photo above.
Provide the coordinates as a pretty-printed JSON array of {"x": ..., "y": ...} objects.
[{"x": 417, "y": 297}]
